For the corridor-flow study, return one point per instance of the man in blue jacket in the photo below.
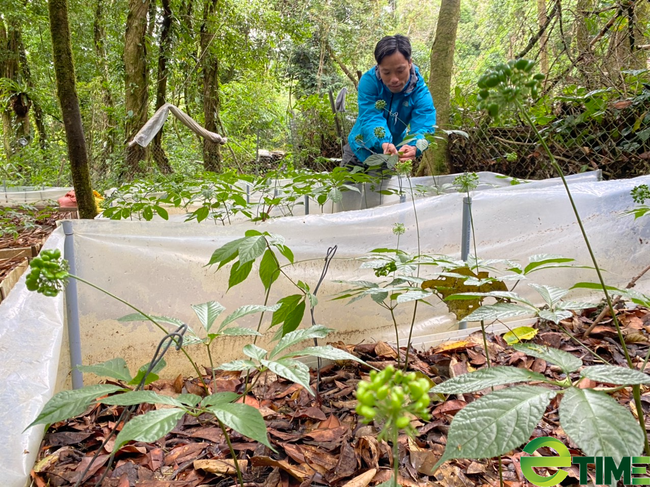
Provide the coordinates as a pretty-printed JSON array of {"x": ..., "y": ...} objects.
[{"x": 394, "y": 101}]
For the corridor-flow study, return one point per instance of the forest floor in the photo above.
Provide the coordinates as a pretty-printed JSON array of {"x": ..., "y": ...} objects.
[{"x": 320, "y": 440}]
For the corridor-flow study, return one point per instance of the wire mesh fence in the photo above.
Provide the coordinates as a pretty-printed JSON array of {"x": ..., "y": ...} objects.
[{"x": 586, "y": 132}]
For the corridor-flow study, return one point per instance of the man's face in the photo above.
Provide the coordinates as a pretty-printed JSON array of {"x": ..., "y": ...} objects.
[{"x": 394, "y": 71}]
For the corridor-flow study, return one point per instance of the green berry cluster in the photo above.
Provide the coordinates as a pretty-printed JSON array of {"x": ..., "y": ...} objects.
[
  {"x": 49, "y": 273},
  {"x": 507, "y": 83},
  {"x": 391, "y": 397},
  {"x": 380, "y": 133},
  {"x": 380, "y": 105},
  {"x": 386, "y": 269},
  {"x": 399, "y": 229},
  {"x": 404, "y": 168},
  {"x": 640, "y": 193}
]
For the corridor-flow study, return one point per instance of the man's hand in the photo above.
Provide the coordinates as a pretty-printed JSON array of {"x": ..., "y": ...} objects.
[
  {"x": 407, "y": 153},
  {"x": 389, "y": 148}
]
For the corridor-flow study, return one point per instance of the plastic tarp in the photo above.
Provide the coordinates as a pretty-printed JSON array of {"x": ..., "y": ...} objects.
[
  {"x": 21, "y": 195},
  {"x": 149, "y": 130},
  {"x": 31, "y": 333},
  {"x": 161, "y": 268}
]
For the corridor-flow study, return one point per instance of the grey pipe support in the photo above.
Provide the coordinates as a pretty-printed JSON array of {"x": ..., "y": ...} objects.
[
  {"x": 72, "y": 308},
  {"x": 306, "y": 204},
  {"x": 465, "y": 238},
  {"x": 466, "y": 229}
]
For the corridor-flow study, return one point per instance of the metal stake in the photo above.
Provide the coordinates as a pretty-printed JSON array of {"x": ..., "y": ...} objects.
[
  {"x": 72, "y": 308},
  {"x": 465, "y": 238}
]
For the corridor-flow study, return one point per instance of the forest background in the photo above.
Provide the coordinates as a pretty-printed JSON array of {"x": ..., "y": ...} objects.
[{"x": 262, "y": 74}]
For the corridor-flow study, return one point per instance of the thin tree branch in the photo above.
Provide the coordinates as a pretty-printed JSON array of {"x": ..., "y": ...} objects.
[
  {"x": 347, "y": 72},
  {"x": 582, "y": 55},
  {"x": 533, "y": 40}
]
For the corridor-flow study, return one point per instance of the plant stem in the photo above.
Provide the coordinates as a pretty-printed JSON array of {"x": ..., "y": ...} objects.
[
  {"x": 500, "y": 472},
  {"x": 232, "y": 453},
  {"x": 485, "y": 344},
  {"x": 483, "y": 332},
  {"x": 214, "y": 379},
  {"x": 582, "y": 230},
  {"x": 395, "y": 456},
  {"x": 415, "y": 306},
  {"x": 636, "y": 389},
  {"x": 392, "y": 314},
  {"x": 415, "y": 214},
  {"x": 259, "y": 323},
  {"x": 575, "y": 339},
  {"x": 137, "y": 310},
  {"x": 408, "y": 343}
]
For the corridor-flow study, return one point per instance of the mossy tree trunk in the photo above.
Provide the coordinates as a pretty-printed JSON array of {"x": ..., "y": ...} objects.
[
  {"x": 161, "y": 86},
  {"x": 39, "y": 116},
  {"x": 210, "y": 67},
  {"x": 67, "y": 93},
  {"x": 110, "y": 122},
  {"x": 442, "y": 63},
  {"x": 15, "y": 118},
  {"x": 136, "y": 97}
]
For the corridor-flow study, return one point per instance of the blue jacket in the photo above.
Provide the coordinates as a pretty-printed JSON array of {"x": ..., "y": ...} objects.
[{"x": 387, "y": 121}]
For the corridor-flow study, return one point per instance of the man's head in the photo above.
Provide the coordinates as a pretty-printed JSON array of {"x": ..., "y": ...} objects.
[{"x": 393, "y": 56}]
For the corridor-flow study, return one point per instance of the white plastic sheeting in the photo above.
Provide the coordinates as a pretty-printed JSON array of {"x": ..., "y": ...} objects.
[
  {"x": 160, "y": 267},
  {"x": 31, "y": 332},
  {"x": 21, "y": 195}
]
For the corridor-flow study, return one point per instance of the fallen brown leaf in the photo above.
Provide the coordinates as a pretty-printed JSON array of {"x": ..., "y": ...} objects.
[
  {"x": 384, "y": 350},
  {"x": 224, "y": 466},
  {"x": 362, "y": 480},
  {"x": 300, "y": 472}
]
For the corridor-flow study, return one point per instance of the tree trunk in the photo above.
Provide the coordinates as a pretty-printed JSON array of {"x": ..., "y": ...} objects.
[
  {"x": 543, "y": 40},
  {"x": 442, "y": 63},
  {"x": 211, "y": 150},
  {"x": 67, "y": 93},
  {"x": 161, "y": 86},
  {"x": 15, "y": 119},
  {"x": 586, "y": 65},
  {"x": 27, "y": 77},
  {"x": 108, "y": 110},
  {"x": 640, "y": 15},
  {"x": 136, "y": 90}
]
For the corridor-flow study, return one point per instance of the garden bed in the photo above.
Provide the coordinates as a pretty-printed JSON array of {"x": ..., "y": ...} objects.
[
  {"x": 320, "y": 440},
  {"x": 24, "y": 230}
]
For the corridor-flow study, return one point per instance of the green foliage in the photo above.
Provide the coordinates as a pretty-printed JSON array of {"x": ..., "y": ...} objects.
[
  {"x": 48, "y": 274},
  {"x": 284, "y": 364},
  {"x": 466, "y": 182},
  {"x": 505, "y": 419},
  {"x": 556, "y": 308},
  {"x": 68, "y": 404}
]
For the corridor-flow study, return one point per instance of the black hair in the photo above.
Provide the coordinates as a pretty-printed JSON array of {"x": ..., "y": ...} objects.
[{"x": 390, "y": 45}]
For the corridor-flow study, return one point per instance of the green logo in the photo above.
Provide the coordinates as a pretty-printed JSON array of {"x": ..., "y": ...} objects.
[
  {"x": 563, "y": 460},
  {"x": 608, "y": 470}
]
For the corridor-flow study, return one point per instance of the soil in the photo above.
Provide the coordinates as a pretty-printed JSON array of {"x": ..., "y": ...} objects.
[{"x": 320, "y": 441}]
